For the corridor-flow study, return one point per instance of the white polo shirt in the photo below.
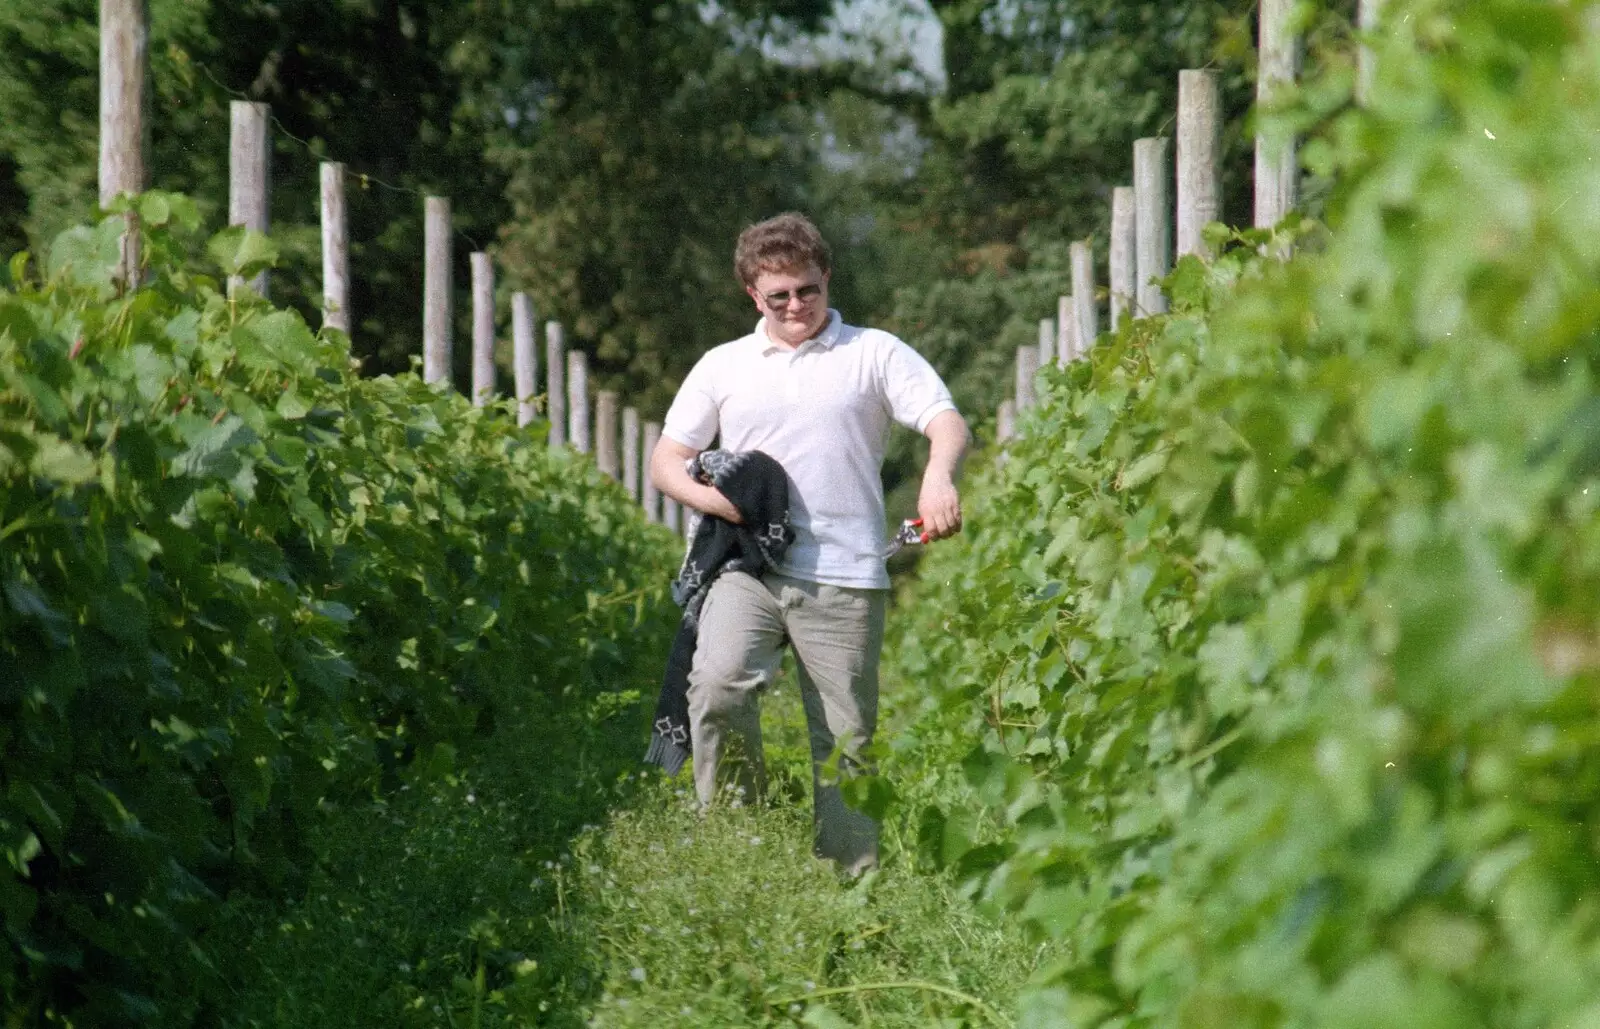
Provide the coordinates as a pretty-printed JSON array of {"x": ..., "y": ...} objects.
[{"x": 822, "y": 411}]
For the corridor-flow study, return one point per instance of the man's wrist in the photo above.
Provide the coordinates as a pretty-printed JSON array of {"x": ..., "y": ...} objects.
[{"x": 713, "y": 502}]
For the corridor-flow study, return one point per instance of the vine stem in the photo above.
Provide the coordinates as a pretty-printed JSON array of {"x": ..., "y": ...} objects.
[
  {"x": 1215, "y": 746},
  {"x": 910, "y": 984}
]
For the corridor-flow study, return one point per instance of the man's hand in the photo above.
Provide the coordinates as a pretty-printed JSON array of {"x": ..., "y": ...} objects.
[{"x": 939, "y": 507}]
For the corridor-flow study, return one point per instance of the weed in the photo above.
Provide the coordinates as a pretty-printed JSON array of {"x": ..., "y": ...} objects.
[
  {"x": 726, "y": 919},
  {"x": 552, "y": 884}
]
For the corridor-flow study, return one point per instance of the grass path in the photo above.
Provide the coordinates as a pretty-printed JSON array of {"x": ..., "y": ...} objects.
[
  {"x": 729, "y": 921},
  {"x": 551, "y": 882}
]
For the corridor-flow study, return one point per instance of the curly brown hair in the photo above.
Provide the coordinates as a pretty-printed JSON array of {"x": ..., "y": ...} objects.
[{"x": 782, "y": 243}]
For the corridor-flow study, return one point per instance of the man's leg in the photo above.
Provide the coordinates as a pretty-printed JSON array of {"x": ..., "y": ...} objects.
[
  {"x": 737, "y": 656},
  {"x": 837, "y": 634}
]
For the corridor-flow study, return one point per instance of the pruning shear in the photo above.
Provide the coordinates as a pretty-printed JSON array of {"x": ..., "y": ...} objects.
[{"x": 910, "y": 532}]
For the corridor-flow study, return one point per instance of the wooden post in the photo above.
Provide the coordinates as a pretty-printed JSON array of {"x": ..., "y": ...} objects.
[
  {"x": 524, "y": 356},
  {"x": 1199, "y": 159},
  {"x": 482, "y": 329},
  {"x": 1277, "y": 166},
  {"x": 1005, "y": 422},
  {"x": 670, "y": 515},
  {"x": 1152, "y": 172},
  {"x": 555, "y": 393},
  {"x": 630, "y": 451},
  {"x": 1367, "y": 16},
  {"x": 647, "y": 491},
  {"x": 1124, "y": 241},
  {"x": 1086, "y": 317},
  {"x": 1066, "y": 351},
  {"x": 124, "y": 78},
  {"x": 335, "y": 250},
  {"x": 249, "y": 172},
  {"x": 1047, "y": 341},
  {"x": 605, "y": 433},
  {"x": 1027, "y": 368},
  {"x": 578, "y": 401},
  {"x": 437, "y": 302}
]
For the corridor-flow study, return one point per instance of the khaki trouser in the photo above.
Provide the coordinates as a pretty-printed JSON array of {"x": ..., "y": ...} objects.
[{"x": 837, "y": 633}]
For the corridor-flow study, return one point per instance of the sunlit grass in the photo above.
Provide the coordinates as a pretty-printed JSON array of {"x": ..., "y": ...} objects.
[
  {"x": 552, "y": 883},
  {"x": 728, "y": 920}
]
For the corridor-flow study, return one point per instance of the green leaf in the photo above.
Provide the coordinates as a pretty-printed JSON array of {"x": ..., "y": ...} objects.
[
  {"x": 63, "y": 462},
  {"x": 1187, "y": 284},
  {"x": 21, "y": 853},
  {"x": 1393, "y": 411},
  {"x": 292, "y": 406},
  {"x": 279, "y": 341},
  {"x": 18, "y": 267},
  {"x": 289, "y": 451},
  {"x": 151, "y": 370},
  {"x": 48, "y": 807},
  {"x": 242, "y": 252},
  {"x": 154, "y": 209},
  {"x": 872, "y": 795},
  {"x": 1230, "y": 663},
  {"x": 90, "y": 257},
  {"x": 210, "y": 450},
  {"x": 184, "y": 327},
  {"x": 1143, "y": 470}
]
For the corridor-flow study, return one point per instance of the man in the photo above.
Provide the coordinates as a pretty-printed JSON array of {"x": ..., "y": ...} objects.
[{"x": 817, "y": 396}]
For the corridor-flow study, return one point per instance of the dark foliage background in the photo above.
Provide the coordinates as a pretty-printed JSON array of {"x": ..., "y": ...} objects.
[{"x": 610, "y": 150}]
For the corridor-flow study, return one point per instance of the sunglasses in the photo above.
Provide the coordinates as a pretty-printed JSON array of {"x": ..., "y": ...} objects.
[{"x": 779, "y": 298}]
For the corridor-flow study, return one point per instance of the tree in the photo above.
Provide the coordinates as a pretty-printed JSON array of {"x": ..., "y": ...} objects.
[
  {"x": 389, "y": 87},
  {"x": 645, "y": 140},
  {"x": 637, "y": 140}
]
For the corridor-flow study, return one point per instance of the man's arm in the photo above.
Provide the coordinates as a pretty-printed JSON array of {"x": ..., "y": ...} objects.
[
  {"x": 668, "y": 473},
  {"x": 938, "y": 503}
]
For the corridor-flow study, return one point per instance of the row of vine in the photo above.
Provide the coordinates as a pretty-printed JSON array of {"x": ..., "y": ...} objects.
[
  {"x": 1265, "y": 675},
  {"x": 243, "y": 588}
]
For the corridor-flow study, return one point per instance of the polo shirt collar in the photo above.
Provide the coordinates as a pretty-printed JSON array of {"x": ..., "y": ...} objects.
[{"x": 828, "y": 338}]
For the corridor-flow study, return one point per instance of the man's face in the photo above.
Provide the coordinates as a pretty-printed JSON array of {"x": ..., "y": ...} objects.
[{"x": 795, "y": 302}]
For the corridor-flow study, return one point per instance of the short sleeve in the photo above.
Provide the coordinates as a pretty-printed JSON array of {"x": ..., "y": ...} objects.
[
  {"x": 693, "y": 417},
  {"x": 915, "y": 393}
]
